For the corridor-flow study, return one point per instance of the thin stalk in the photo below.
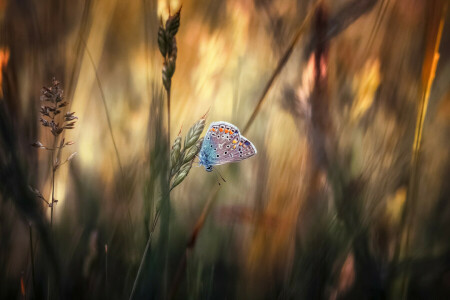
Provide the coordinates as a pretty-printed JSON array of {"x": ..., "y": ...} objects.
[
  {"x": 152, "y": 230},
  {"x": 52, "y": 203},
  {"x": 147, "y": 247},
  {"x": 168, "y": 124},
  {"x": 380, "y": 15},
  {"x": 281, "y": 63},
  {"x": 191, "y": 242},
  {"x": 53, "y": 188},
  {"x": 106, "y": 271},
  {"x": 32, "y": 262},
  {"x": 51, "y": 214},
  {"x": 102, "y": 94},
  {"x": 428, "y": 73},
  {"x": 166, "y": 205}
]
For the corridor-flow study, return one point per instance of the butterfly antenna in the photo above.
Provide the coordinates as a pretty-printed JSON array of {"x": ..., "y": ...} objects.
[
  {"x": 217, "y": 171},
  {"x": 217, "y": 178}
]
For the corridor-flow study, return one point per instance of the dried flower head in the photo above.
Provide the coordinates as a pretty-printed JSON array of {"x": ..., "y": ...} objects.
[
  {"x": 53, "y": 102},
  {"x": 53, "y": 118}
]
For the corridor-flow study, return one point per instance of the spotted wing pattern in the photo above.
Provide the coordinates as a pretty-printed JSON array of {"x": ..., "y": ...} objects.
[{"x": 224, "y": 144}]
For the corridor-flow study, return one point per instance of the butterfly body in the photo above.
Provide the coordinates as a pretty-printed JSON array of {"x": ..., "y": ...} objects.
[{"x": 223, "y": 144}]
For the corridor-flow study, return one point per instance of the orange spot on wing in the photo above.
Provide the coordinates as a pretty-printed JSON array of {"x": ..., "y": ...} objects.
[
  {"x": 221, "y": 129},
  {"x": 240, "y": 144},
  {"x": 213, "y": 129},
  {"x": 234, "y": 142},
  {"x": 226, "y": 130},
  {"x": 234, "y": 147}
]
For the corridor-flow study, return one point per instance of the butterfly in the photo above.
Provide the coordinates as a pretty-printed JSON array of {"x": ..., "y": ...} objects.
[{"x": 223, "y": 144}]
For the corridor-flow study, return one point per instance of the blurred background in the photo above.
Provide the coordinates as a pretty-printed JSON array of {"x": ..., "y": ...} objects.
[{"x": 346, "y": 199}]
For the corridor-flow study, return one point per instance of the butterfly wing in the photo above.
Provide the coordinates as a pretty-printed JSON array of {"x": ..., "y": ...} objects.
[
  {"x": 224, "y": 144},
  {"x": 218, "y": 134},
  {"x": 234, "y": 152}
]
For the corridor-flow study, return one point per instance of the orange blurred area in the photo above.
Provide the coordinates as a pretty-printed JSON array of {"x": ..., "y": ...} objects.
[{"x": 4, "y": 57}]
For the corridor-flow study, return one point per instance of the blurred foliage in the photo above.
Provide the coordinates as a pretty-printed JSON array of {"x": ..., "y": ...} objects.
[{"x": 346, "y": 199}]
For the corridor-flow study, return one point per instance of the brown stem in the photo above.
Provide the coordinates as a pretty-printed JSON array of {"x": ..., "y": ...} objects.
[
  {"x": 53, "y": 190},
  {"x": 281, "y": 63},
  {"x": 52, "y": 203},
  {"x": 436, "y": 25}
]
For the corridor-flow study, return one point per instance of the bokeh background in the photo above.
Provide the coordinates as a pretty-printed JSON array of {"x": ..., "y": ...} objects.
[{"x": 347, "y": 197}]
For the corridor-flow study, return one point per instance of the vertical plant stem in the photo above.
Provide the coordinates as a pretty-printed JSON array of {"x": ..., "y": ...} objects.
[
  {"x": 428, "y": 72},
  {"x": 106, "y": 271},
  {"x": 191, "y": 242},
  {"x": 53, "y": 187},
  {"x": 102, "y": 95},
  {"x": 281, "y": 63},
  {"x": 52, "y": 203},
  {"x": 51, "y": 211},
  {"x": 168, "y": 125},
  {"x": 147, "y": 247},
  {"x": 33, "y": 277},
  {"x": 166, "y": 204}
]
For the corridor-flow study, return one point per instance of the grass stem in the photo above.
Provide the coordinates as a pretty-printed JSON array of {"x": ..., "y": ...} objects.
[
  {"x": 191, "y": 242},
  {"x": 106, "y": 271},
  {"x": 144, "y": 255},
  {"x": 428, "y": 73},
  {"x": 281, "y": 63},
  {"x": 33, "y": 277}
]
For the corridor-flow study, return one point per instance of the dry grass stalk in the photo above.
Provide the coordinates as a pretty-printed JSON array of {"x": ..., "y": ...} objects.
[
  {"x": 428, "y": 73},
  {"x": 52, "y": 117},
  {"x": 57, "y": 122},
  {"x": 281, "y": 63}
]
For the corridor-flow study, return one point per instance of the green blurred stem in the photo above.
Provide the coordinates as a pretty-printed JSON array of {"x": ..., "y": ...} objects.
[
  {"x": 106, "y": 271},
  {"x": 144, "y": 255},
  {"x": 165, "y": 205},
  {"x": 148, "y": 244},
  {"x": 191, "y": 243},
  {"x": 158, "y": 211}
]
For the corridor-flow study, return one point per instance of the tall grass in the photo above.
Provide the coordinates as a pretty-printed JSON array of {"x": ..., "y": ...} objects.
[{"x": 336, "y": 205}]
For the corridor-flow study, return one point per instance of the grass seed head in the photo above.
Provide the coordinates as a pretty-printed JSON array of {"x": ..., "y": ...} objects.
[
  {"x": 194, "y": 133},
  {"x": 182, "y": 174},
  {"x": 193, "y": 151},
  {"x": 176, "y": 151}
]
